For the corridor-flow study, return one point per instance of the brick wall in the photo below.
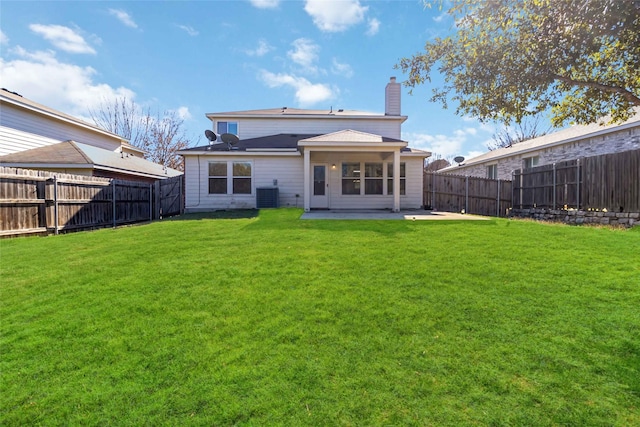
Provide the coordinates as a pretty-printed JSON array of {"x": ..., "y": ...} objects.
[{"x": 613, "y": 142}]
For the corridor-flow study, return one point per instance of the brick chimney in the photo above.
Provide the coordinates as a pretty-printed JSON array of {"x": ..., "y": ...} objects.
[{"x": 392, "y": 98}]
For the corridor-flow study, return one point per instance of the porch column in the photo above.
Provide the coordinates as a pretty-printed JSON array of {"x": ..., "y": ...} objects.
[
  {"x": 307, "y": 172},
  {"x": 396, "y": 180}
]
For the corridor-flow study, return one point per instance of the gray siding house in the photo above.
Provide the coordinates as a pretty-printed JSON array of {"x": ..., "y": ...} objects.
[{"x": 317, "y": 159}]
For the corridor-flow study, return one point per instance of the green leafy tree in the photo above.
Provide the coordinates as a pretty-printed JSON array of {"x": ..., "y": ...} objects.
[{"x": 509, "y": 59}]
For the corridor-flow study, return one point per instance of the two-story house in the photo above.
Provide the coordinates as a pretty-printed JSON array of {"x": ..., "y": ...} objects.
[
  {"x": 316, "y": 159},
  {"x": 34, "y": 136}
]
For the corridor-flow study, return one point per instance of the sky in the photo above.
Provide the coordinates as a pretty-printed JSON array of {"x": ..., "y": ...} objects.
[{"x": 199, "y": 57}]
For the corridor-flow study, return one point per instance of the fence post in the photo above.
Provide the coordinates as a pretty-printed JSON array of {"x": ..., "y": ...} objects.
[
  {"x": 578, "y": 185},
  {"x": 513, "y": 188},
  {"x": 498, "y": 199},
  {"x": 466, "y": 194},
  {"x": 554, "y": 186},
  {"x": 181, "y": 203},
  {"x": 433, "y": 190},
  {"x": 113, "y": 191},
  {"x": 151, "y": 202},
  {"x": 55, "y": 204}
]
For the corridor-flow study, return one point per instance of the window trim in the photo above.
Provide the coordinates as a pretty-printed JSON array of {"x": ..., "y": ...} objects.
[
  {"x": 492, "y": 168},
  {"x": 225, "y": 176},
  {"x": 369, "y": 179},
  {"x": 219, "y": 122},
  {"x": 403, "y": 179},
  {"x": 534, "y": 160},
  {"x": 230, "y": 177},
  {"x": 387, "y": 178}
]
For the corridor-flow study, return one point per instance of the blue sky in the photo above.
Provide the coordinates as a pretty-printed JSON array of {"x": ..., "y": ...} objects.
[{"x": 212, "y": 56}]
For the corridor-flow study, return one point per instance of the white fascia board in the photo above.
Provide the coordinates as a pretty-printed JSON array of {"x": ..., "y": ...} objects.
[
  {"x": 129, "y": 171},
  {"x": 351, "y": 146},
  {"x": 423, "y": 154},
  {"x": 215, "y": 117},
  {"x": 295, "y": 153},
  {"x": 279, "y": 150}
]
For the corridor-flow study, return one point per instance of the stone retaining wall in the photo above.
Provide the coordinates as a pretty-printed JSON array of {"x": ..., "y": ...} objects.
[{"x": 578, "y": 217}]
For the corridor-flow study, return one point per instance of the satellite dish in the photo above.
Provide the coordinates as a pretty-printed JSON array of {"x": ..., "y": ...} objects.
[
  {"x": 230, "y": 139},
  {"x": 458, "y": 159},
  {"x": 210, "y": 135}
]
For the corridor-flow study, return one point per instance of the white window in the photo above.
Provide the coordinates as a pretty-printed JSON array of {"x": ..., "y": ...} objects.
[
  {"x": 529, "y": 162},
  {"x": 492, "y": 171},
  {"x": 217, "y": 177},
  {"x": 227, "y": 127},
  {"x": 403, "y": 178},
  {"x": 230, "y": 177},
  {"x": 373, "y": 178},
  {"x": 351, "y": 178},
  {"x": 241, "y": 177}
]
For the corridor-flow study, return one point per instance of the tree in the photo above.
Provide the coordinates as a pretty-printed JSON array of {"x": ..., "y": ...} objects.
[
  {"x": 509, "y": 135},
  {"x": 509, "y": 59},
  {"x": 160, "y": 135},
  {"x": 435, "y": 163}
]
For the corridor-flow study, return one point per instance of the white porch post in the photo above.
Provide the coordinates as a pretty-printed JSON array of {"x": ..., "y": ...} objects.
[
  {"x": 306, "y": 183},
  {"x": 396, "y": 180}
]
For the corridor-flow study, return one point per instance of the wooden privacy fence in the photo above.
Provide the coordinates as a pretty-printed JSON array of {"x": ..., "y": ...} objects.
[
  {"x": 44, "y": 202},
  {"x": 610, "y": 181},
  {"x": 480, "y": 196}
]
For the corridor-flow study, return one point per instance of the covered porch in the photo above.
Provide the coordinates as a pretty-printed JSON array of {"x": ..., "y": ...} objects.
[{"x": 357, "y": 170}]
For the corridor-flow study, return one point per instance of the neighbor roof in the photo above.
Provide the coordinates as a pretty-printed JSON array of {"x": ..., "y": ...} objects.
[
  {"x": 561, "y": 137},
  {"x": 70, "y": 154},
  {"x": 22, "y": 102}
]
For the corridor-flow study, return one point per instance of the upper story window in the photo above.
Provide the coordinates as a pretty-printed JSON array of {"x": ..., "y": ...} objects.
[
  {"x": 492, "y": 171},
  {"x": 227, "y": 127},
  {"x": 530, "y": 162}
]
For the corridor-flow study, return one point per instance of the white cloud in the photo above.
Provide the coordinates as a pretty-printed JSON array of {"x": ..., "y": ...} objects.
[
  {"x": 440, "y": 17},
  {"x": 261, "y": 50},
  {"x": 341, "y": 69},
  {"x": 63, "y": 38},
  {"x": 265, "y": 4},
  {"x": 335, "y": 16},
  {"x": 65, "y": 87},
  {"x": 3, "y": 38},
  {"x": 374, "y": 27},
  {"x": 189, "y": 30},
  {"x": 123, "y": 17},
  {"x": 184, "y": 113},
  {"x": 306, "y": 94},
  {"x": 305, "y": 54},
  {"x": 444, "y": 145}
]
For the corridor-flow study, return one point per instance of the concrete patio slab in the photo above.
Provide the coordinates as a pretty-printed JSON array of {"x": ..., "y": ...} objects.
[{"x": 382, "y": 214}]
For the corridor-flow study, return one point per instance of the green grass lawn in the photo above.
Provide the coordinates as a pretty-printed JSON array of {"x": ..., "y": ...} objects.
[{"x": 271, "y": 320}]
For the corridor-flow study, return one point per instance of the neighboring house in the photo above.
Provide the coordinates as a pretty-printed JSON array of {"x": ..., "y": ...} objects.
[
  {"x": 82, "y": 159},
  {"x": 33, "y": 136},
  {"x": 317, "y": 159},
  {"x": 568, "y": 144},
  {"x": 25, "y": 124}
]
